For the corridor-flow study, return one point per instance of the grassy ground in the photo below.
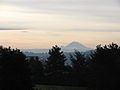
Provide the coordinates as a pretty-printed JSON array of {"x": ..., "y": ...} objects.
[{"x": 49, "y": 87}]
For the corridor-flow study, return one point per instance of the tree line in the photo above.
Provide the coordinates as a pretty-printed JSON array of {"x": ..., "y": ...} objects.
[{"x": 101, "y": 71}]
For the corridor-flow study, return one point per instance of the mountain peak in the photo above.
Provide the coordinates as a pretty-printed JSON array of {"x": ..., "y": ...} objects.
[{"x": 75, "y": 45}]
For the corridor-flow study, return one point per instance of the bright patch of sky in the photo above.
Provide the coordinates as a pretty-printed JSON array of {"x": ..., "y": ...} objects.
[{"x": 43, "y": 23}]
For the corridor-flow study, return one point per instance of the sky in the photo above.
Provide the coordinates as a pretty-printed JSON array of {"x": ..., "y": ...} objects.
[{"x": 44, "y": 23}]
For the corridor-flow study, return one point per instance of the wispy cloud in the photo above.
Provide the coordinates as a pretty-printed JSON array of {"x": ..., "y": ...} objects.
[
  {"x": 94, "y": 30},
  {"x": 60, "y": 13},
  {"x": 12, "y": 28},
  {"x": 55, "y": 20}
]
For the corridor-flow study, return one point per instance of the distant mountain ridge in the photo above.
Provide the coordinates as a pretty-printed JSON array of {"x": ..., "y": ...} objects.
[
  {"x": 75, "y": 46},
  {"x": 68, "y": 48}
]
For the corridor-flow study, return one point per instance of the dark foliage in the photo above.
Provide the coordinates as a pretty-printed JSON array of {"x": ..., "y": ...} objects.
[
  {"x": 105, "y": 67},
  {"x": 79, "y": 68},
  {"x": 101, "y": 71},
  {"x": 14, "y": 71},
  {"x": 55, "y": 65},
  {"x": 37, "y": 70}
]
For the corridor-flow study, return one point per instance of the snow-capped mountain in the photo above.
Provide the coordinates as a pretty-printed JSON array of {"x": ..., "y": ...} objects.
[{"x": 75, "y": 46}]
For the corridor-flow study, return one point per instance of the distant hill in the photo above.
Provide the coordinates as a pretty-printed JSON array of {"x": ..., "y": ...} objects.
[
  {"x": 68, "y": 48},
  {"x": 75, "y": 46},
  {"x": 35, "y": 50}
]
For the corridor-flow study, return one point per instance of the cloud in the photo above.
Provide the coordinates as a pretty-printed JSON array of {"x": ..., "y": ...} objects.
[
  {"x": 99, "y": 8},
  {"x": 61, "y": 14},
  {"x": 94, "y": 30},
  {"x": 54, "y": 34},
  {"x": 62, "y": 5},
  {"x": 12, "y": 28},
  {"x": 25, "y": 31}
]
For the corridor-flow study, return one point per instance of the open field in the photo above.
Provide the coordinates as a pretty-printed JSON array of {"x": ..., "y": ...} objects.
[{"x": 50, "y": 87}]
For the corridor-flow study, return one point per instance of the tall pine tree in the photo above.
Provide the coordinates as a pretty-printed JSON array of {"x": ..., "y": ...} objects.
[
  {"x": 55, "y": 65},
  {"x": 79, "y": 68}
]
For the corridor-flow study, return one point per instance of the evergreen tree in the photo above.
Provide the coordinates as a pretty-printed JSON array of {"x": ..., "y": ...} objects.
[
  {"x": 105, "y": 67},
  {"x": 79, "y": 68},
  {"x": 14, "y": 71},
  {"x": 37, "y": 70},
  {"x": 56, "y": 60},
  {"x": 78, "y": 61},
  {"x": 55, "y": 64}
]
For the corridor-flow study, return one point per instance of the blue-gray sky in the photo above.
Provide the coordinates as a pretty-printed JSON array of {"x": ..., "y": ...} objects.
[{"x": 43, "y": 23}]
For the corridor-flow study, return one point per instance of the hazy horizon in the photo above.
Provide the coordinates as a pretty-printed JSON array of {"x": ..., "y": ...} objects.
[{"x": 44, "y": 23}]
